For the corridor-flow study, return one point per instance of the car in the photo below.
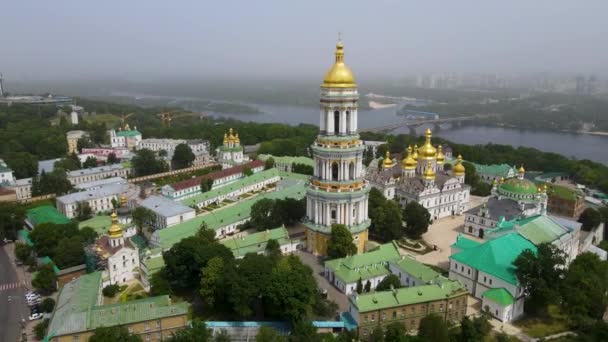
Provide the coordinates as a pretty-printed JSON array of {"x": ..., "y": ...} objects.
[
  {"x": 32, "y": 296},
  {"x": 35, "y": 315},
  {"x": 34, "y": 302}
]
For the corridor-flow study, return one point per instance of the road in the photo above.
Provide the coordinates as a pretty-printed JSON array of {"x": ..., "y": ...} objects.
[{"x": 12, "y": 301}]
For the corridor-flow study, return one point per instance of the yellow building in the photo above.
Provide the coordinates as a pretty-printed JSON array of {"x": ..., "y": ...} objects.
[
  {"x": 79, "y": 312},
  {"x": 73, "y": 137}
]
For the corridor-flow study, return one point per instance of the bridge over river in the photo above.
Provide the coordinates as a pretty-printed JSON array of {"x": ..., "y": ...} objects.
[{"x": 412, "y": 124}]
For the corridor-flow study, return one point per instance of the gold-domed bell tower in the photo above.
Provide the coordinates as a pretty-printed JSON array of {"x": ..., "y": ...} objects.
[
  {"x": 408, "y": 164},
  {"x": 338, "y": 191},
  {"x": 115, "y": 232}
]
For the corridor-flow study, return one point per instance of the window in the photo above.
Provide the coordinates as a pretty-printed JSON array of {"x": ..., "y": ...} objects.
[
  {"x": 147, "y": 327},
  {"x": 373, "y": 317},
  {"x": 403, "y": 312},
  {"x": 365, "y": 318},
  {"x": 490, "y": 281},
  {"x": 76, "y": 338},
  {"x": 158, "y": 323},
  {"x": 383, "y": 316},
  {"x": 394, "y": 314},
  {"x": 147, "y": 337}
]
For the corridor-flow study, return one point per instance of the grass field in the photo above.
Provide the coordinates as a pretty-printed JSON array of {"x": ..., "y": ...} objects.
[{"x": 541, "y": 327}]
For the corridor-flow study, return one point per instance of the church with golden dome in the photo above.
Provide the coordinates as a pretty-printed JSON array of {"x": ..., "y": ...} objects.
[
  {"x": 338, "y": 191},
  {"x": 230, "y": 154},
  {"x": 420, "y": 177}
]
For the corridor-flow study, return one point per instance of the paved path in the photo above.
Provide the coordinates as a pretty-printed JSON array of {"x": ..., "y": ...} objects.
[
  {"x": 12, "y": 301},
  {"x": 322, "y": 283}
]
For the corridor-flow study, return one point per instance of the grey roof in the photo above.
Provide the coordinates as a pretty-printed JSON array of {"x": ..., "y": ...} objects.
[
  {"x": 99, "y": 183},
  {"x": 47, "y": 165},
  {"x": 565, "y": 222},
  {"x": 104, "y": 191},
  {"x": 76, "y": 134},
  {"x": 164, "y": 206},
  {"x": 23, "y": 181},
  {"x": 507, "y": 208},
  {"x": 94, "y": 170}
]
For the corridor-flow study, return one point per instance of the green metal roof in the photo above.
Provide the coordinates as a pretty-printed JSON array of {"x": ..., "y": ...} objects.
[
  {"x": 497, "y": 170},
  {"x": 367, "y": 265},
  {"x": 226, "y": 189},
  {"x": 46, "y": 214},
  {"x": 496, "y": 257},
  {"x": 224, "y": 216},
  {"x": 287, "y": 160},
  {"x": 540, "y": 229},
  {"x": 563, "y": 192},
  {"x": 464, "y": 243},
  {"x": 154, "y": 264},
  {"x": 256, "y": 242},
  {"x": 128, "y": 133},
  {"x": 141, "y": 310},
  {"x": 519, "y": 186},
  {"x": 499, "y": 296},
  {"x": 417, "y": 269},
  {"x": 443, "y": 289},
  {"x": 100, "y": 223}
]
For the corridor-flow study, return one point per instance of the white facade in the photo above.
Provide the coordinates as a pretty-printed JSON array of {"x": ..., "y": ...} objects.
[
  {"x": 198, "y": 147},
  {"x": 98, "y": 173},
  {"x": 99, "y": 200},
  {"x": 237, "y": 192},
  {"x": 23, "y": 188},
  {"x": 166, "y": 212},
  {"x": 440, "y": 199},
  {"x": 126, "y": 138},
  {"x": 122, "y": 265},
  {"x": 6, "y": 174}
]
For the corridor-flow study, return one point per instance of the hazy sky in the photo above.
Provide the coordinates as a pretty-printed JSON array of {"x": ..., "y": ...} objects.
[{"x": 288, "y": 39}]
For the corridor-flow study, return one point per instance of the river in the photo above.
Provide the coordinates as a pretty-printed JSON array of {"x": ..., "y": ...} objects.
[{"x": 580, "y": 146}]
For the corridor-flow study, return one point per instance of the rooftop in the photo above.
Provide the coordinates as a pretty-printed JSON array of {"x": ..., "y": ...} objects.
[
  {"x": 95, "y": 170},
  {"x": 47, "y": 165},
  {"x": 463, "y": 243},
  {"x": 130, "y": 133},
  {"x": 518, "y": 186},
  {"x": 288, "y": 160},
  {"x": 99, "y": 223},
  {"x": 367, "y": 265},
  {"x": 407, "y": 295},
  {"x": 540, "y": 229},
  {"x": 104, "y": 191},
  {"x": 256, "y": 242},
  {"x": 417, "y": 269},
  {"x": 164, "y": 206},
  {"x": 98, "y": 183},
  {"x": 497, "y": 208},
  {"x": 499, "y": 296},
  {"x": 563, "y": 192},
  {"x": 497, "y": 170},
  {"x": 496, "y": 256},
  {"x": 188, "y": 183},
  {"x": 46, "y": 214}
]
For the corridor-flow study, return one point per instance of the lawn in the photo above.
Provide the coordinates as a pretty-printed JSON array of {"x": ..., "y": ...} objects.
[{"x": 545, "y": 326}]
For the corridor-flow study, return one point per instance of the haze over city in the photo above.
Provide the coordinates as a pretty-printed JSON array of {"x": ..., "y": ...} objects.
[{"x": 141, "y": 40}]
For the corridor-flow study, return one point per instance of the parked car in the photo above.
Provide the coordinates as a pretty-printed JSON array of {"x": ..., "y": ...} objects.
[
  {"x": 36, "y": 315},
  {"x": 34, "y": 302},
  {"x": 32, "y": 296}
]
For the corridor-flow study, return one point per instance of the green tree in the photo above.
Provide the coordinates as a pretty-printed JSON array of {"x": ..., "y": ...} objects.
[
  {"x": 141, "y": 216},
  {"x": 540, "y": 275},
  {"x": 206, "y": 184},
  {"x": 340, "y": 242},
  {"x": 88, "y": 235},
  {"x": 83, "y": 211},
  {"x": 377, "y": 335},
  {"x": 471, "y": 177},
  {"x": 590, "y": 218},
  {"x": 269, "y": 163},
  {"x": 69, "y": 252},
  {"x": 159, "y": 285},
  {"x": 206, "y": 234},
  {"x": 368, "y": 286},
  {"x": 145, "y": 163},
  {"x": 23, "y": 164},
  {"x": 302, "y": 169},
  {"x": 110, "y": 290},
  {"x": 211, "y": 280},
  {"x": 47, "y": 305},
  {"x": 113, "y": 334},
  {"x": 162, "y": 153},
  {"x": 396, "y": 332},
  {"x": 585, "y": 288},
  {"x": 273, "y": 249},
  {"x": 12, "y": 215},
  {"x": 389, "y": 222},
  {"x": 89, "y": 162},
  {"x": 112, "y": 159},
  {"x": 46, "y": 237},
  {"x": 268, "y": 334},
  {"x": 84, "y": 142},
  {"x": 40, "y": 329},
  {"x": 196, "y": 332},
  {"x": 433, "y": 328},
  {"x": 417, "y": 219},
  {"x": 24, "y": 253},
  {"x": 45, "y": 280},
  {"x": 182, "y": 157},
  {"x": 71, "y": 163},
  {"x": 481, "y": 189},
  {"x": 359, "y": 286},
  {"x": 263, "y": 215},
  {"x": 390, "y": 281},
  {"x": 247, "y": 171}
]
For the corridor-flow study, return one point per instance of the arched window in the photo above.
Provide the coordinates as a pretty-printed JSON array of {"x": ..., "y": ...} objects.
[
  {"x": 320, "y": 172},
  {"x": 351, "y": 171},
  {"x": 348, "y": 129},
  {"x": 334, "y": 171},
  {"x": 336, "y": 122}
]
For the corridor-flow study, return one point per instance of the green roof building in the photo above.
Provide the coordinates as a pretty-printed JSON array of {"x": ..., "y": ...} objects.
[
  {"x": 286, "y": 163},
  {"x": 256, "y": 242},
  {"x": 80, "y": 310},
  {"x": 412, "y": 272},
  {"x": 488, "y": 173},
  {"x": 44, "y": 214},
  {"x": 372, "y": 266}
]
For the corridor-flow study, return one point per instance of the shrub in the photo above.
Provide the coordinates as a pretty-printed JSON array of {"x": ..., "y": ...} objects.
[
  {"x": 110, "y": 290},
  {"x": 47, "y": 305}
]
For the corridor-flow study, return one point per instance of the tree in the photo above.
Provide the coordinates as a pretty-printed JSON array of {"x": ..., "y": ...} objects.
[
  {"x": 89, "y": 162},
  {"x": 206, "y": 184},
  {"x": 211, "y": 280},
  {"x": 23, "y": 164},
  {"x": 470, "y": 177},
  {"x": 273, "y": 249},
  {"x": 71, "y": 163},
  {"x": 196, "y": 332},
  {"x": 46, "y": 237},
  {"x": 389, "y": 222},
  {"x": 110, "y": 290},
  {"x": 113, "y": 334},
  {"x": 474, "y": 330},
  {"x": 159, "y": 285},
  {"x": 481, "y": 189},
  {"x": 112, "y": 159},
  {"x": 55, "y": 182},
  {"x": 206, "y": 234},
  {"x": 24, "y": 253},
  {"x": 45, "y": 280},
  {"x": 417, "y": 219},
  {"x": 389, "y": 282},
  {"x": 359, "y": 286},
  {"x": 540, "y": 276},
  {"x": 268, "y": 334},
  {"x": 162, "y": 153},
  {"x": 88, "y": 235},
  {"x": 377, "y": 335},
  {"x": 182, "y": 157},
  {"x": 368, "y": 286},
  {"x": 69, "y": 252},
  {"x": 340, "y": 242},
  {"x": 247, "y": 171},
  {"x": 145, "y": 163},
  {"x": 302, "y": 169},
  {"x": 433, "y": 328},
  {"x": 83, "y": 211},
  {"x": 263, "y": 215},
  {"x": 269, "y": 163},
  {"x": 40, "y": 329},
  {"x": 141, "y": 216},
  {"x": 12, "y": 215},
  {"x": 585, "y": 287},
  {"x": 368, "y": 155},
  {"x": 590, "y": 218},
  {"x": 84, "y": 142},
  {"x": 47, "y": 305},
  {"x": 395, "y": 332}
]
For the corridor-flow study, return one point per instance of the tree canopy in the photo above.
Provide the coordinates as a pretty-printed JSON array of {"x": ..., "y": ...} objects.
[
  {"x": 590, "y": 218},
  {"x": 340, "y": 242},
  {"x": 417, "y": 219},
  {"x": 146, "y": 163},
  {"x": 113, "y": 334},
  {"x": 182, "y": 156}
]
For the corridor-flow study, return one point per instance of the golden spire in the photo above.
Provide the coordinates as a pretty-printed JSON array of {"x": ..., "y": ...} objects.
[
  {"x": 225, "y": 138},
  {"x": 339, "y": 75},
  {"x": 459, "y": 169},
  {"x": 429, "y": 174},
  {"x": 388, "y": 162},
  {"x": 427, "y": 151},
  {"x": 127, "y": 128},
  {"x": 494, "y": 181},
  {"x": 415, "y": 154},
  {"x": 237, "y": 140},
  {"x": 521, "y": 169},
  {"x": 408, "y": 163},
  {"x": 123, "y": 200},
  {"x": 502, "y": 180},
  {"x": 115, "y": 231},
  {"x": 440, "y": 157}
]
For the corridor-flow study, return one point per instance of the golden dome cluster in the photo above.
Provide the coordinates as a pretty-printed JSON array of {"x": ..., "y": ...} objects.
[
  {"x": 231, "y": 137},
  {"x": 339, "y": 75},
  {"x": 115, "y": 231}
]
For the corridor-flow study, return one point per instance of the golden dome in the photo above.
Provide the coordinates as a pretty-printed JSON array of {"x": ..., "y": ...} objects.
[
  {"x": 427, "y": 151},
  {"x": 408, "y": 162},
  {"x": 494, "y": 182},
  {"x": 521, "y": 169},
  {"x": 440, "y": 157},
  {"x": 415, "y": 154},
  {"x": 123, "y": 200},
  {"x": 115, "y": 231},
  {"x": 502, "y": 180},
  {"x": 459, "y": 169},
  {"x": 428, "y": 172},
  {"x": 225, "y": 138},
  {"x": 388, "y": 162},
  {"x": 339, "y": 75}
]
